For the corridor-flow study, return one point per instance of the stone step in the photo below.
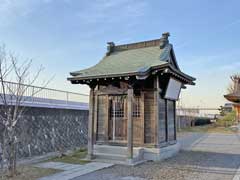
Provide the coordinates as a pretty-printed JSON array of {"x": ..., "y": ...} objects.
[
  {"x": 117, "y": 154},
  {"x": 121, "y": 162},
  {"x": 107, "y": 156},
  {"x": 115, "y": 150}
]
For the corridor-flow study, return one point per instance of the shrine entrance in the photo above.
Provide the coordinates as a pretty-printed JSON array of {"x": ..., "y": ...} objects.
[
  {"x": 117, "y": 131},
  {"x": 117, "y": 118}
]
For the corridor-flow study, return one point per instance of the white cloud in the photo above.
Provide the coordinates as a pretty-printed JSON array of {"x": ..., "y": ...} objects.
[
  {"x": 181, "y": 45},
  {"x": 10, "y": 10},
  {"x": 231, "y": 25},
  {"x": 105, "y": 11},
  {"x": 123, "y": 41},
  {"x": 219, "y": 60},
  {"x": 231, "y": 66},
  {"x": 47, "y": 1}
]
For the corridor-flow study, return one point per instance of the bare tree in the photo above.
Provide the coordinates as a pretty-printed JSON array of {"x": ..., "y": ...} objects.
[
  {"x": 234, "y": 86},
  {"x": 230, "y": 88},
  {"x": 12, "y": 99}
]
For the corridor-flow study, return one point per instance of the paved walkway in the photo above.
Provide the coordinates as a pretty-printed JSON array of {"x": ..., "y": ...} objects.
[
  {"x": 71, "y": 171},
  {"x": 211, "y": 142},
  {"x": 227, "y": 144}
]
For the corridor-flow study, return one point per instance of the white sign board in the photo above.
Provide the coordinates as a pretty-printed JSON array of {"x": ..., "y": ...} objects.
[{"x": 173, "y": 89}]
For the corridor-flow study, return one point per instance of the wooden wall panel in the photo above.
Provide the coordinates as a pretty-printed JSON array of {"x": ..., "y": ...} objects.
[
  {"x": 171, "y": 120},
  {"x": 138, "y": 121},
  {"x": 162, "y": 121},
  {"x": 149, "y": 115},
  {"x": 102, "y": 116}
]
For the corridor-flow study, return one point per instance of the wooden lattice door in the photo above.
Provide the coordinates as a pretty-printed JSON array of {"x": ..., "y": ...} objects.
[
  {"x": 117, "y": 131},
  {"x": 118, "y": 119}
]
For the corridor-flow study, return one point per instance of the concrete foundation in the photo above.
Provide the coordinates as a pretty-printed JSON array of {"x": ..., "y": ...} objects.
[
  {"x": 158, "y": 154},
  {"x": 118, "y": 154}
]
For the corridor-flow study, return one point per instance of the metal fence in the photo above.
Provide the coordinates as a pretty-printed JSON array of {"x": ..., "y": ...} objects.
[{"x": 47, "y": 97}]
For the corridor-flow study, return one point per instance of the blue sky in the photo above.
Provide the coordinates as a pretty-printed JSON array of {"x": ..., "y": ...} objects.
[{"x": 68, "y": 35}]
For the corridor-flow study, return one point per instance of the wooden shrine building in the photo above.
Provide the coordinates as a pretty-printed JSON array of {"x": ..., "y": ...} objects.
[
  {"x": 133, "y": 96},
  {"x": 234, "y": 95}
]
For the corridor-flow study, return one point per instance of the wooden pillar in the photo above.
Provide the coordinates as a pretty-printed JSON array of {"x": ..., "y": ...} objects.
[
  {"x": 175, "y": 119},
  {"x": 142, "y": 115},
  {"x": 166, "y": 119},
  {"x": 114, "y": 121},
  {"x": 91, "y": 124},
  {"x": 106, "y": 119},
  {"x": 237, "y": 109},
  {"x": 95, "y": 118},
  {"x": 156, "y": 99},
  {"x": 130, "y": 124}
]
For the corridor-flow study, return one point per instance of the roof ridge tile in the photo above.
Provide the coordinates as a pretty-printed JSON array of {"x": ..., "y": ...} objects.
[{"x": 137, "y": 45}]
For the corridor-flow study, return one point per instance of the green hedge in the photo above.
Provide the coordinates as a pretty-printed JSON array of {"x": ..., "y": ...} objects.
[
  {"x": 200, "y": 121},
  {"x": 227, "y": 120}
]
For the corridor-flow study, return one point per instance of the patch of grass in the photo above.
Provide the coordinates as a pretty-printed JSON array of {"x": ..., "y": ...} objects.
[
  {"x": 222, "y": 125},
  {"x": 227, "y": 120},
  {"x": 77, "y": 157},
  {"x": 149, "y": 146},
  {"x": 211, "y": 128},
  {"x": 29, "y": 173}
]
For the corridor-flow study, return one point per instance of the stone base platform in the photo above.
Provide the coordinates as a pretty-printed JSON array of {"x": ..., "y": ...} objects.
[
  {"x": 158, "y": 154},
  {"x": 118, "y": 154}
]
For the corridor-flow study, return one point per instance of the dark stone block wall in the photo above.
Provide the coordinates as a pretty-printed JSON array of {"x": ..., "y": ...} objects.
[{"x": 43, "y": 130}]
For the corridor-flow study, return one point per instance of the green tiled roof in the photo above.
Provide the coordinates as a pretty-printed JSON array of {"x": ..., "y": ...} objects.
[{"x": 136, "y": 60}]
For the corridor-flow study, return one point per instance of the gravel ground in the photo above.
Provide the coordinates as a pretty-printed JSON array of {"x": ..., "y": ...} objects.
[
  {"x": 185, "y": 166},
  {"x": 203, "y": 157}
]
